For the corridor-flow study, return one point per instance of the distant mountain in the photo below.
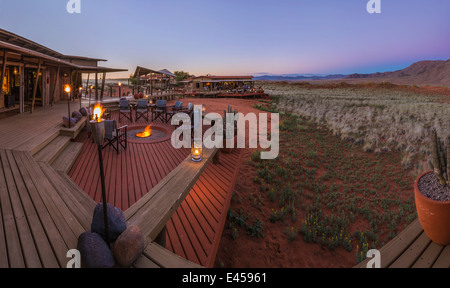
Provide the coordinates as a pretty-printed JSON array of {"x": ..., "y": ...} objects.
[
  {"x": 429, "y": 72},
  {"x": 298, "y": 77}
]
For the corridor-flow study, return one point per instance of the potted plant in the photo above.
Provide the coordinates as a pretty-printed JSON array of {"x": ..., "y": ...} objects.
[
  {"x": 230, "y": 110},
  {"x": 432, "y": 193}
]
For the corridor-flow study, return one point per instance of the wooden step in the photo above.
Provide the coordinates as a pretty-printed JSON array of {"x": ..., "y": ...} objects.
[
  {"x": 66, "y": 159},
  {"x": 50, "y": 152},
  {"x": 38, "y": 142},
  {"x": 78, "y": 202}
]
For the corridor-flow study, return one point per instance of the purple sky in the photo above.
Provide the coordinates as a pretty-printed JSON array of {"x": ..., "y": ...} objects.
[{"x": 239, "y": 37}]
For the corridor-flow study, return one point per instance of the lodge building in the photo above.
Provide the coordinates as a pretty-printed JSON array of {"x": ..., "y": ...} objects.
[{"x": 33, "y": 75}]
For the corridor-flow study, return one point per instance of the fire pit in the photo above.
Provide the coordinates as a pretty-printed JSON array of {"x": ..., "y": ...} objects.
[{"x": 147, "y": 134}]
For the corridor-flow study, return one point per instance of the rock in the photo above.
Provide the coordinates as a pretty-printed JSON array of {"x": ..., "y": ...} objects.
[
  {"x": 94, "y": 251},
  {"x": 116, "y": 222},
  {"x": 129, "y": 246}
]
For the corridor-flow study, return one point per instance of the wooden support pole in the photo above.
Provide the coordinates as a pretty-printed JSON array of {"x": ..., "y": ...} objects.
[
  {"x": 53, "y": 101},
  {"x": 75, "y": 85},
  {"x": 36, "y": 82},
  {"x": 96, "y": 85},
  {"x": 22, "y": 91},
  {"x": 87, "y": 83},
  {"x": 103, "y": 85},
  {"x": 5, "y": 58}
]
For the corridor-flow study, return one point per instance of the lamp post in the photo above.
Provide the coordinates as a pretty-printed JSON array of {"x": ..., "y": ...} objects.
[
  {"x": 98, "y": 133},
  {"x": 81, "y": 91},
  {"x": 67, "y": 90},
  {"x": 90, "y": 95},
  {"x": 120, "y": 90}
]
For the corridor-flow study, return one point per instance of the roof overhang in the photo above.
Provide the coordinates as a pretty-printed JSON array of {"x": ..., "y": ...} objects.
[
  {"x": 141, "y": 71},
  {"x": 53, "y": 61}
]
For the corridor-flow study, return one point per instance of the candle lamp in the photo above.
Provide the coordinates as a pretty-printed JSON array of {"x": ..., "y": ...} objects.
[{"x": 197, "y": 151}]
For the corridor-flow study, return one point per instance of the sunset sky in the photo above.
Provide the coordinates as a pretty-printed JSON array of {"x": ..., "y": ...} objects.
[{"x": 239, "y": 37}]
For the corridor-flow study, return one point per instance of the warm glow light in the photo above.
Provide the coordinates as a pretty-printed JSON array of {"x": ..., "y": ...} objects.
[
  {"x": 147, "y": 132},
  {"x": 120, "y": 83},
  {"x": 196, "y": 153},
  {"x": 67, "y": 88},
  {"x": 98, "y": 112}
]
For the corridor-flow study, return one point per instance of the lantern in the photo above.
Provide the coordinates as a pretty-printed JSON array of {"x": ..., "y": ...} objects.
[{"x": 197, "y": 151}]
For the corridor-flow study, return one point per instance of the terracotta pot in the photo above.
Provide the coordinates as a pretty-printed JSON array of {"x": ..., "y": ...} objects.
[{"x": 434, "y": 216}]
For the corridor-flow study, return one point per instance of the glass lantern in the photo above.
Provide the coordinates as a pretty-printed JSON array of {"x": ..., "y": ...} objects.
[{"x": 197, "y": 151}]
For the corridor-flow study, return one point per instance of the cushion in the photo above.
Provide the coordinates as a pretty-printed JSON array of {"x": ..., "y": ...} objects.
[
  {"x": 73, "y": 122},
  {"x": 84, "y": 111},
  {"x": 77, "y": 115}
]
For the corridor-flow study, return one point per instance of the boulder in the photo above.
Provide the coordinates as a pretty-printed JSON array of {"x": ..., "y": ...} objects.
[
  {"x": 116, "y": 222},
  {"x": 128, "y": 247},
  {"x": 94, "y": 251}
]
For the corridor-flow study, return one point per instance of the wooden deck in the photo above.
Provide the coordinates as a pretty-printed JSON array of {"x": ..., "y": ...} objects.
[
  {"x": 43, "y": 210},
  {"x": 195, "y": 229},
  {"x": 412, "y": 249}
]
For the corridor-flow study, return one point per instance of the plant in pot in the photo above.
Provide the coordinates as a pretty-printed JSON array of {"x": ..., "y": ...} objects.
[
  {"x": 233, "y": 125},
  {"x": 432, "y": 193}
]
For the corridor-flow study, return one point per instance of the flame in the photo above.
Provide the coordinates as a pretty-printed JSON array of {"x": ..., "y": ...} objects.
[
  {"x": 98, "y": 112},
  {"x": 147, "y": 132}
]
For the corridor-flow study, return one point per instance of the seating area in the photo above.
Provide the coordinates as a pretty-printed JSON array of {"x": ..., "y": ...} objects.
[{"x": 133, "y": 111}]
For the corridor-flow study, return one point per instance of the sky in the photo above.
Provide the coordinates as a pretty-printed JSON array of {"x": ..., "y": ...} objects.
[{"x": 239, "y": 37}]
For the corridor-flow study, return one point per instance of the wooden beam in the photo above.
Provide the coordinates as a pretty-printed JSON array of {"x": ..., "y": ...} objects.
[
  {"x": 5, "y": 58},
  {"x": 35, "y": 86}
]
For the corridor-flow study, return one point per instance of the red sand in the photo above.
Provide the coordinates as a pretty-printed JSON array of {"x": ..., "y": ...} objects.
[{"x": 274, "y": 250}]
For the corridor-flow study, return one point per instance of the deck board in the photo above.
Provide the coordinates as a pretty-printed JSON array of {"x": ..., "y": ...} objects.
[{"x": 412, "y": 249}]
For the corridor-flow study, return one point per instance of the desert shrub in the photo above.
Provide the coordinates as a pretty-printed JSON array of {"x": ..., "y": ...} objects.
[{"x": 381, "y": 117}]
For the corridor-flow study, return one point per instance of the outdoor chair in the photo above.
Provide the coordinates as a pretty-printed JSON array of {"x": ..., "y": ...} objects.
[
  {"x": 188, "y": 110},
  {"x": 125, "y": 110},
  {"x": 159, "y": 110},
  {"x": 175, "y": 109},
  {"x": 114, "y": 136},
  {"x": 142, "y": 110}
]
